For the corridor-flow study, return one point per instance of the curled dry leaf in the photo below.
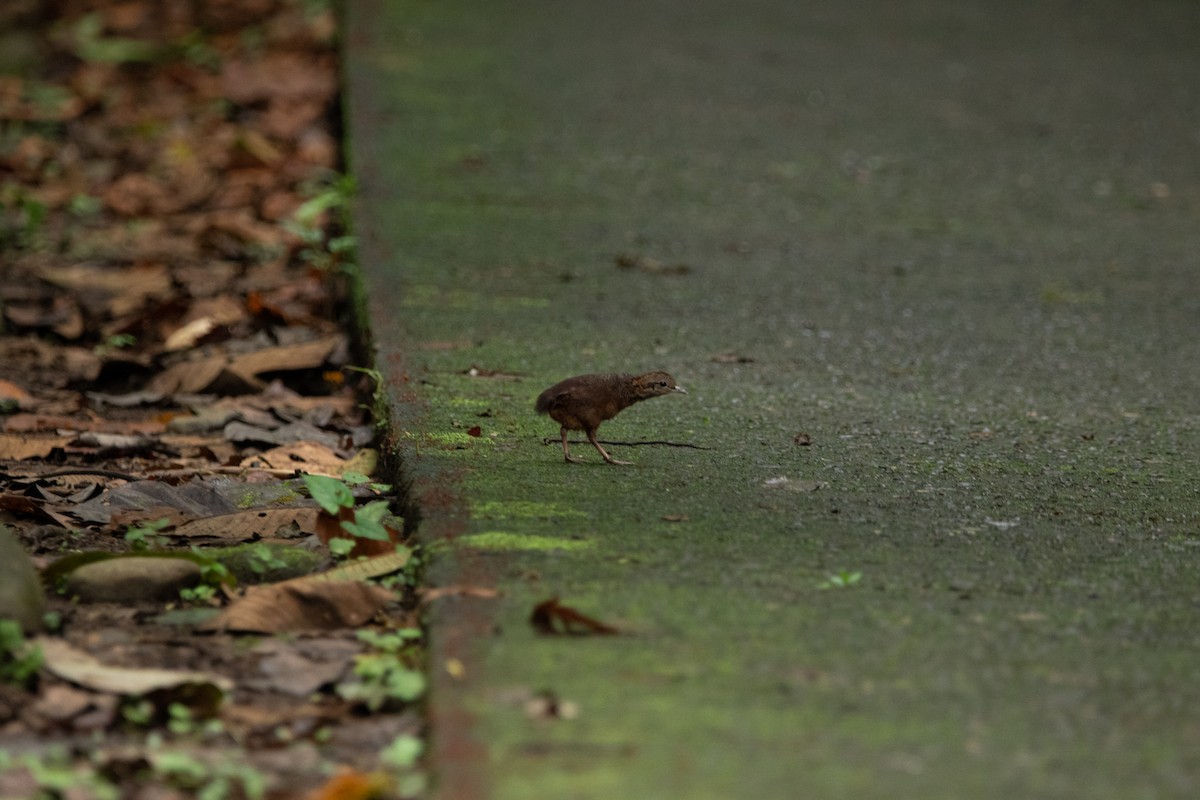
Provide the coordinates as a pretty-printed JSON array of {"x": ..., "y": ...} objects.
[
  {"x": 302, "y": 604},
  {"x": 83, "y": 669},
  {"x": 650, "y": 265},
  {"x": 14, "y": 394},
  {"x": 248, "y": 525},
  {"x": 438, "y": 592},
  {"x": 186, "y": 337},
  {"x": 553, "y": 618}
]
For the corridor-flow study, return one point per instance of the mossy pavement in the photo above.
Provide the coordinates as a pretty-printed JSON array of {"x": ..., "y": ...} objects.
[{"x": 932, "y": 291}]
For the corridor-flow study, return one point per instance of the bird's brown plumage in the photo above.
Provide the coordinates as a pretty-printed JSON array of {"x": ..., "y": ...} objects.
[{"x": 581, "y": 403}]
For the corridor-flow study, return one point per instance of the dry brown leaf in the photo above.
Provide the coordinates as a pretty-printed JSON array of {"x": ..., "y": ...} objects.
[
  {"x": 83, "y": 669},
  {"x": 292, "y": 673},
  {"x": 185, "y": 337},
  {"x": 61, "y": 703},
  {"x": 41, "y": 423},
  {"x": 245, "y": 525},
  {"x": 352, "y": 785},
  {"x": 730, "y": 357},
  {"x": 18, "y": 447},
  {"x": 136, "y": 194},
  {"x": 308, "y": 355},
  {"x": 228, "y": 232},
  {"x": 194, "y": 377},
  {"x": 650, "y": 265},
  {"x": 311, "y": 457},
  {"x": 553, "y": 618},
  {"x": 365, "y": 568},
  {"x": 302, "y": 605},
  {"x": 13, "y": 393},
  {"x": 438, "y": 592},
  {"x": 278, "y": 75}
]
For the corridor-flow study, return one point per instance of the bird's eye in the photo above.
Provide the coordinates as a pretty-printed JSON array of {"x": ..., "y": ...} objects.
[{"x": 662, "y": 383}]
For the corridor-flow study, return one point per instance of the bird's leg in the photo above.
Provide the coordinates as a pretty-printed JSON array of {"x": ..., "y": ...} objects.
[
  {"x": 592, "y": 438},
  {"x": 567, "y": 450}
]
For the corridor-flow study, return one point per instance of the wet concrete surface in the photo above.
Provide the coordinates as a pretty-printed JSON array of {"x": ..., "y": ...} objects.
[{"x": 928, "y": 272}]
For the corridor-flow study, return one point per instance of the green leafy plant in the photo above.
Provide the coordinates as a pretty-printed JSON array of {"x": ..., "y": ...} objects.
[
  {"x": 263, "y": 559},
  {"x": 381, "y": 677},
  {"x": 92, "y": 45},
  {"x": 56, "y": 774},
  {"x": 22, "y": 228},
  {"x": 359, "y": 479},
  {"x": 115, "y": 342},
  {"x": 330, "y": 493},
  {"x": 401, "y": 757},
  {"x": 378, "y": 409},
  {"x": 182, "y": 721},
  {"x": 203, "y": 594},
  {"x": 334, "y": 496},
  {"x": 407, "y": 578},
  {"x": 403, "y": 752},
  {"x": 308, "y": 223},
  {"x": 841, "y": 580},
  {"x": 138, "y": 712},
  {"x": 20, "y": 659},
  {"x": 146, "y": 535},
  {"x": 212, "y": 575},
  {"x": 341, "y": 547},
  {"x": 368, "y": 522},
  {"x": 85, "y": 206},
  {"x": 209, "y": 779}
]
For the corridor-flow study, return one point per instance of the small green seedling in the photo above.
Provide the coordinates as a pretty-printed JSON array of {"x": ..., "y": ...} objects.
[
  {"x": 115, "y": 342},
  {"x": 202, "y": 594},
  {"x": 19, "y": 659},
  {"x": 212, "y": 576},
  {"x": 309, "y": 223},
  {"x": 146, "y": 535},
  {"x": 263, "y": 559},
  {"x": 138, "y": 713},
  {"x": 842, "y": 580},
  {"x": 382, "y": 678},
  {"x": 341, "y": 547}
]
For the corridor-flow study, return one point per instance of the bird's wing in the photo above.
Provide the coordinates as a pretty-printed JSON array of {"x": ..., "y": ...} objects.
[{"x": 561, "y": 398}]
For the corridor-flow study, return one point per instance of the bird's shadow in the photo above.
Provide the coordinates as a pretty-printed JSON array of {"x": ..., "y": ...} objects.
[{"x": 549, "y": 441}]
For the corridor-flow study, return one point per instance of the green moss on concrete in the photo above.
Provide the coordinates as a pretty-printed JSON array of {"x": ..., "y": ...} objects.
[{"x": 504, "y": 540}]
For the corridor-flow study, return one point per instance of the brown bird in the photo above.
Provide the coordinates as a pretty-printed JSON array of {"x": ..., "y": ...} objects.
[{"x": 583, "y": 402}]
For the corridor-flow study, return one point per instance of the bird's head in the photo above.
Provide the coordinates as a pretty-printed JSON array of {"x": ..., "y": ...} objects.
[{"x": 654, "y": 384}]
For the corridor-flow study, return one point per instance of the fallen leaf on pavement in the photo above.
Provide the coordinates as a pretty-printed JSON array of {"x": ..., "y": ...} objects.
[
  {"x": 438, "y": 592},
  {"x": 553, "y": 618}
]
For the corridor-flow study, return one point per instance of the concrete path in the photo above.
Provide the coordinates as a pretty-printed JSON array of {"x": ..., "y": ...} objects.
[{"x": 928, "y": 271}]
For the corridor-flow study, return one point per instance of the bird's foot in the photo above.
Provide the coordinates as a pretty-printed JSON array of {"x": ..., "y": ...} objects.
[
  {"x": 573, "y": 460},
  {"x": 621, "y": 463}
]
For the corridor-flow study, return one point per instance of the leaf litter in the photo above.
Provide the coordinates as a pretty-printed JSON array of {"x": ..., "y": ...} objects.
[{"x": 172, "y": 361}]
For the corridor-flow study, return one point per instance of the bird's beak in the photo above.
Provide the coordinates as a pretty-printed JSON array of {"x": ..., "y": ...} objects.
[{"x": 679, "y": 389}]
